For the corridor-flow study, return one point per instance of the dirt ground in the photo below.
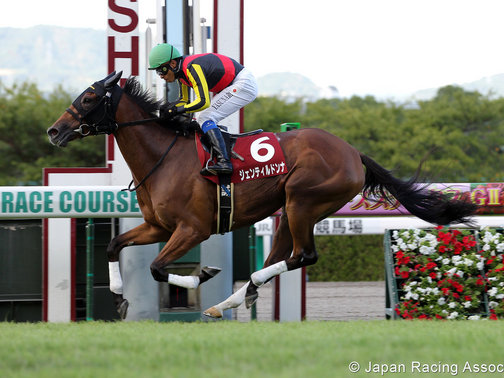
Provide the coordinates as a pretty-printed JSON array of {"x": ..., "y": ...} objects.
[{"x": 326, "y": 301}]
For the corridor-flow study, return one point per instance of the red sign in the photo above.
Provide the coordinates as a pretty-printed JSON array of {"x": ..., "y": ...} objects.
[{"x": 123, "y": 38}]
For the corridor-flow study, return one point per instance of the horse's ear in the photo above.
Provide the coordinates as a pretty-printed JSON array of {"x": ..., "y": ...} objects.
[{"x": 112, "y": 79}]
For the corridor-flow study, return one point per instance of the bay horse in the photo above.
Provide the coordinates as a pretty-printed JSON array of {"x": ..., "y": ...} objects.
[{"x": 179, "y": 205}]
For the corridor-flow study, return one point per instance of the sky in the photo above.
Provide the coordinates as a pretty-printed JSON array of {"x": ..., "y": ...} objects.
[{"x": 384, "y": 48}]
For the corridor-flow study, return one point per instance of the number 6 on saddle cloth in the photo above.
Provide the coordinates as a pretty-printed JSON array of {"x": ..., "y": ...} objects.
[{"x": 254, "y": 155}]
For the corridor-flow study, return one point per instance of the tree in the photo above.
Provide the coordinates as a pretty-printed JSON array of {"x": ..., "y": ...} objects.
[
  {"x": 25, "y": 115},
  {"x": 268, "y": 113}
]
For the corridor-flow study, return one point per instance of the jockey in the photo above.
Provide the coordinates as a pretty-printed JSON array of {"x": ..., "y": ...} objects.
[{"x": 234, "y": 87}]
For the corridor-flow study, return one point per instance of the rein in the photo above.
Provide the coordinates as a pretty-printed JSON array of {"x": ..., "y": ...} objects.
[{"x": 130, "y": 189}]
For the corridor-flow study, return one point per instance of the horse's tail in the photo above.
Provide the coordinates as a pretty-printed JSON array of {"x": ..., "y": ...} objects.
[{"x": 431, "y": 206}]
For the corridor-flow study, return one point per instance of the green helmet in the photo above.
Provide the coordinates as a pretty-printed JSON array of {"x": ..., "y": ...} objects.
[{"x": 161, "y": 54}]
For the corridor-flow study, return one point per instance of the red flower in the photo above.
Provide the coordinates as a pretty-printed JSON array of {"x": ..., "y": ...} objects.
[
  {"x": 433, "y": 275},
  {"x": 468, "y": 298}
]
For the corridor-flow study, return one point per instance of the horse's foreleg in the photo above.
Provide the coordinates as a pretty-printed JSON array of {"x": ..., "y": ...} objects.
[
  {"x": 183, "y": 239},
  {"x": 143, "y": 234}
]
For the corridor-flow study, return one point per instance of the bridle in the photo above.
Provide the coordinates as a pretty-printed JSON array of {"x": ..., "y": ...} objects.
[{"x": 94, "y": 122}]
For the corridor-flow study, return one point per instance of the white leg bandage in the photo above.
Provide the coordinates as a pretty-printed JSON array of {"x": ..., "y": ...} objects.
[
  {"x": 263, "y": 275},
  {"x": 189, "y": 282},
  {"x": 116, "y": 284},
  {"x": 234, "y": 300}
]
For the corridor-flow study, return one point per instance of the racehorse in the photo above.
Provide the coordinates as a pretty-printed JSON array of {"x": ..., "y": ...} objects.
[{"x": 179, "y": 205}]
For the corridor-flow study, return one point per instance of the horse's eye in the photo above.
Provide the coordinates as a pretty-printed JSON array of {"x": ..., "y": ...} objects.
[{"x": 87, "y": 100}]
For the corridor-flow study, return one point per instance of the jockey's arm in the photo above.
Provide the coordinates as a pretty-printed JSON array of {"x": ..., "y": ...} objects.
[
  {"x": 200, "y": 87},
  {"x": 183, "y": 95}
]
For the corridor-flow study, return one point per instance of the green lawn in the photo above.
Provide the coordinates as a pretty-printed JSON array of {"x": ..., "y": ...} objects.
[{"x": 256, "y": 349}]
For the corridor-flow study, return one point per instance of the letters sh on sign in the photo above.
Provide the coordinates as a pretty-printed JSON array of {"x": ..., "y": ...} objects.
[{"x": 123, "y": 38}]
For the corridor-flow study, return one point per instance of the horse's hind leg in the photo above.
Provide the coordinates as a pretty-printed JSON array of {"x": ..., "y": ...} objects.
[{"x": 304, "y": 209}]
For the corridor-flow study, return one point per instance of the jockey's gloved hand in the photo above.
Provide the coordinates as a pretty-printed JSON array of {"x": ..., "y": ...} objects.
[{"x": 170, "y": 110}]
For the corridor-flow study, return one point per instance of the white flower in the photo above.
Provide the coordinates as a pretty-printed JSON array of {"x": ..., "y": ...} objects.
[
  {"x": 468, "y": 262},
  {"x": 467, "y": 304},
  {"x": 499, "y": 296},
  {"x": 453, "y": 315},
  {"x": 452, "y": 271},
  {"x": 441, "y": 301},
  {"x": 492, "y": 292},
  {"x": 492, "y": 304},
  {"x": 446, "y": 261},
  {"x": 452, "y": 305},
  {"x": 480, "y": 265},
  {"x": 473, "y": 317},
  {"x": 424, "y": 250}
]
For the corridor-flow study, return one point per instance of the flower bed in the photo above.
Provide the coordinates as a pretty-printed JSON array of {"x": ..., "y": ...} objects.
[{"x": 446, "y": 273}]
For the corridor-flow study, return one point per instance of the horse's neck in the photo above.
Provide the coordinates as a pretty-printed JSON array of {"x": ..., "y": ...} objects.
[{"x": 140, "y": 145}]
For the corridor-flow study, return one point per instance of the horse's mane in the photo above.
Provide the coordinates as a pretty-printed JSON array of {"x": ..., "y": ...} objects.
[
  {"x": 147, "y": 101},
  {"x": 142, "y": 97}
]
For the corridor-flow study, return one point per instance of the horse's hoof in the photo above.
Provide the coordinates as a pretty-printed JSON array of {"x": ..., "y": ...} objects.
[
  {"x": 213, "y": 312},
  {"x": 208, "y": 272},
  {"x": 122, "y": 309},
  {"x": 251, "y": 299},
  {"x": 212, "y": 271}
]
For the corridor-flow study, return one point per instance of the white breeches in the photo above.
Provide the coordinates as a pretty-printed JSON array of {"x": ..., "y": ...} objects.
[{"x": 241, "y": 92}]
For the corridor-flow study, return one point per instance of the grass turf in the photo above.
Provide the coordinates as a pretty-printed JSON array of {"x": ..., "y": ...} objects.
[{"x": 256, "y": 349}]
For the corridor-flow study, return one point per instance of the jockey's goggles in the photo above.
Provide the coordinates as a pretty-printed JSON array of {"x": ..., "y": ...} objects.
[{"x": 163, "y": 70}]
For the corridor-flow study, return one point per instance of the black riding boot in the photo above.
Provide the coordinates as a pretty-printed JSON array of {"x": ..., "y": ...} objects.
[{"x": 223, "y": 165}]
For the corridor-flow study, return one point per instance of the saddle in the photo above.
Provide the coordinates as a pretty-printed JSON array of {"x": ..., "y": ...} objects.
[
  {"x": 225, "y": 192},
  {"x": 254, "y": 155}
]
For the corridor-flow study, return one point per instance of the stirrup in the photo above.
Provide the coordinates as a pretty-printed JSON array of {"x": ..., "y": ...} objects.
[{"x": 215, "y": 170}]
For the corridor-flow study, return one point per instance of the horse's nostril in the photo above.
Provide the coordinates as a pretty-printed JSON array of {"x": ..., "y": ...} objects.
[{"x": 52, "y": 132}]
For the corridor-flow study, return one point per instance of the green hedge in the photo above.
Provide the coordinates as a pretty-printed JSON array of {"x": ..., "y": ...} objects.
[{"x": 348, "y": 258}]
